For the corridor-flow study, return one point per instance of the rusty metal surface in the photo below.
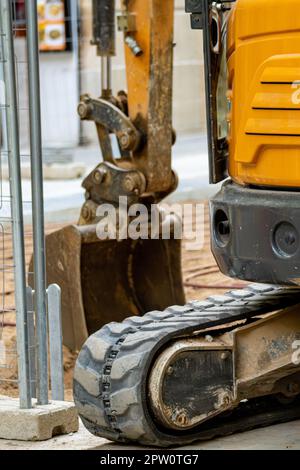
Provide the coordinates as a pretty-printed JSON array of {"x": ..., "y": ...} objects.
[
  {"x": 150, "y": 85},
  {"x": 246, "y": 362},
  {"x": 63, "y": 254},
  {"x": 103, "y": 281},
  {"x": 107, "y": 183},
  {"x": 190, "y": 381},
  {"x": 108, "y": 115},
  {"x": 104, "y": 27},
  {"x": 145, "y": 136},
  {"x": 264, "y": 354},
  {"x": 109, "y": 280}
]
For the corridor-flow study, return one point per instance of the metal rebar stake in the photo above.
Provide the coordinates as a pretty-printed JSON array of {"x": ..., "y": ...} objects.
[
  {"x": 37, "y": 201},
  {"x": 31, "y": 340},
  {"x": 55, "y": 342},
  {"x": 16, "y": 201}
]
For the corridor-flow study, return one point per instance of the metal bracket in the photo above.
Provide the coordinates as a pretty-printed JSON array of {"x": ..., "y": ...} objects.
[
  {"x": 108, "y": 182},
  {"x": 126, "y": 23},
  {"x": 197, "y": 21},
  {"x": 195, "y": 7},
  {"x": 111, "y": 120}
]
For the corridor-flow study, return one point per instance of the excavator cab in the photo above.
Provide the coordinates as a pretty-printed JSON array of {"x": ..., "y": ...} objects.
[{"x": 109, "y": 278}]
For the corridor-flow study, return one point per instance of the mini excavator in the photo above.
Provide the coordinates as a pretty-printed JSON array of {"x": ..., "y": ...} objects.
[{"x": 232, "y": 362}]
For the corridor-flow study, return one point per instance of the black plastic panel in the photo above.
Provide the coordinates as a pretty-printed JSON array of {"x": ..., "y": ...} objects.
[{"x": 256, "y": 233}]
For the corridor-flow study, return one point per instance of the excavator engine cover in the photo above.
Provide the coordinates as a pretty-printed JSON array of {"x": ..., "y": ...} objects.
[
  {"x": 263, "y": 61},
  {"x": 254, "y": 218}
]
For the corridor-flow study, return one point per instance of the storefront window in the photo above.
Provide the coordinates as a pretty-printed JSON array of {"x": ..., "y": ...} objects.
[
  {"x": 19, "y": 17},
  {"x": 53, "y": 23}
]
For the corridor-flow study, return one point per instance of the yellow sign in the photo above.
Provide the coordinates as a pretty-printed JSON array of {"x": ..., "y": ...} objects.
[{"x": 52, "y": 28}]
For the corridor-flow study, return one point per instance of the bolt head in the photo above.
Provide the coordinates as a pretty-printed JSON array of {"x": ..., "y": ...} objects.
[
  {"x": 85, "y": 213},
  {"x": 224, "y": 355},
  {"x": 209, "y": 338},
  {"x": 99, "y": 175},
  {"x": 84, "y": 110},
  {"x": 224, "y": 400},
  {"x": 182, "y": 419},
  {"x": 131, "y": 184},
  {"x": 124, "y": 141},
  {"x": 127, "y": 139}
]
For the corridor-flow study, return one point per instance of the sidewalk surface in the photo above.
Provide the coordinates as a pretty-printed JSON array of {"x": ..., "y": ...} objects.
[
  {"x": 64, "y": 198},
  {"x": 279, "y": 437}
]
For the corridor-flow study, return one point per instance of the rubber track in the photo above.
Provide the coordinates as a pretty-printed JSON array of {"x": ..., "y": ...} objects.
[{"x": 110, "y": 377}]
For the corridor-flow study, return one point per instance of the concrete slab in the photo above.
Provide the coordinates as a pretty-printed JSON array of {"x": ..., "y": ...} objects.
[
  {"x": 36, "y": 424},
  {"x": 280, "y": 437}
]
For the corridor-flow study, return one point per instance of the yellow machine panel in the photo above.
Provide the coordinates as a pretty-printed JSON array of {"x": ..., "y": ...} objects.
[{"x": 264, "y": 92}]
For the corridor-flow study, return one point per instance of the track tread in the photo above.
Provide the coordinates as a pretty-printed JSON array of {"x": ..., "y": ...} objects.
[{"x": 118, "y": 357}]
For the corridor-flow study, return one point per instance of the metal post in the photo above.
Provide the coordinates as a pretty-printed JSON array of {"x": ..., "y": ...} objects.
[
  {"x": 31, "y": 341},
  {"x": 74, "y": 7},
  {"x": 16, "y": 202},
  {"x": 3, "y": 124},
  {"x": 106, "y": 75},
  {"x": 37, "y": 201},
  {"x": 55, "y": 342}
]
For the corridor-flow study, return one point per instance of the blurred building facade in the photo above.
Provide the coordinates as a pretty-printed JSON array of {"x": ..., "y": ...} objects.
[
  {"x": 189, "y": 98},
  {"x": 69, "y": 72}
]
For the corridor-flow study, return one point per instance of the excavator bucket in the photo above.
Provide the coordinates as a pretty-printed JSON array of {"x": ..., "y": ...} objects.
[{"x": 108, "y": 280}]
